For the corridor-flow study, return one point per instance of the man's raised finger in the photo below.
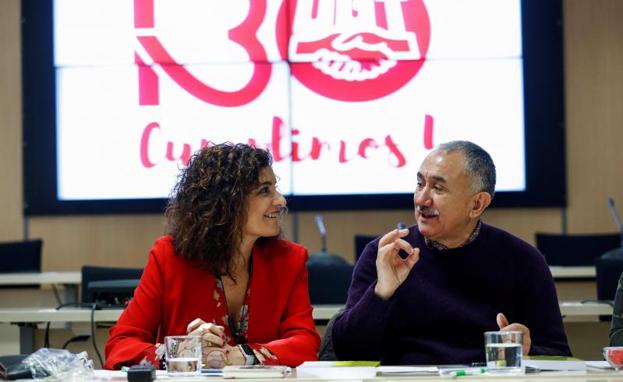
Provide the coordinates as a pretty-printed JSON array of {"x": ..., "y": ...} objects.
[{"x": 392, "y": 236}]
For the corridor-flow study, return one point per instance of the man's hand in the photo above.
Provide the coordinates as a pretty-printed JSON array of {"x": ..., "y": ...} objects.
[
  {"x": 391, "y": 269},
  {"x": 515, "y": 327}
]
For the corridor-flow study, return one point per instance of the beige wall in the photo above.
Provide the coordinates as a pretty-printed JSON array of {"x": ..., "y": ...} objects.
[
  {"x": 594, "y": 94},
  {"x": 10, "y": 122},
  {"x": 594, "y": 135}
]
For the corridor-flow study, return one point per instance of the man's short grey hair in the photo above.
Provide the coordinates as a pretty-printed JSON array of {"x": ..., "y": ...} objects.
[{"x": 478, "y": 164}]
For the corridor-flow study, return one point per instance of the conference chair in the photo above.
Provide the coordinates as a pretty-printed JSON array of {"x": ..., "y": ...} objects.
[
  {"x": 329, "y": 278},
  {"x": 575, "y": 250},
  {"x": 103, "y": 287},
  {"x": 609, "y": 268},
  {"x": 578, "y": 250},
  {"x": 326, "y": 351},
  {"x": 19, "y": 257},
  {"x": 108, "y": 284}
]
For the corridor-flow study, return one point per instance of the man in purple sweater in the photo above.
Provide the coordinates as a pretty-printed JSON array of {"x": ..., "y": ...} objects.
[{"x": 426, "y": 294}]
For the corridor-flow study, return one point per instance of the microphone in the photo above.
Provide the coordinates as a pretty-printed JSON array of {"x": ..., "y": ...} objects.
[
  {"x": 617, "y": 219},
  {"x": 323, "y": 232},
  {"x": 324, "y": 256}
]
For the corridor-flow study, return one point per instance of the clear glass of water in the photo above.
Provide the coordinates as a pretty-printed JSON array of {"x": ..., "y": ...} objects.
[
  {"x": 183, "y": 354},
  {"x": 504, "y": 352}
]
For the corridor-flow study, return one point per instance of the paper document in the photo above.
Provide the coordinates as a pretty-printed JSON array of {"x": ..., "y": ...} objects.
[
  {"x": 602, "y": 365},
  {"x": 255, "y": 371},
  {"x": 396, "y": 371},
  {"x": 339, "y": 363},
  {"x": 337, "y": 369},
  {"x": 554, "y": 363}
]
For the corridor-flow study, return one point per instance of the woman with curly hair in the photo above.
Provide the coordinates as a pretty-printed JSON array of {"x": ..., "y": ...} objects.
[{"x": 222, "y": 272}]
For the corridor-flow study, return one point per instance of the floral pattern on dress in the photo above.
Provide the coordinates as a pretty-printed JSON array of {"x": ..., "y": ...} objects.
[{"x": 240, "y": 328}]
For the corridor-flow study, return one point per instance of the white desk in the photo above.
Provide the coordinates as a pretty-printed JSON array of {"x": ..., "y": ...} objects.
[
  {"x": 37, "y": 315},
  {"x": 65, "y": 278},
  {"x": 28, "y": 318},
  {"x": 358, "y": 374},
  {"x": 592, "y": 309},
  {"x": 70, "y": 281},
  {"x": 584, "y": 272},
  {"x": 567, "y": 308},
  {"x": 72, "y": 315},
  {"x": 323, "y": 313}
]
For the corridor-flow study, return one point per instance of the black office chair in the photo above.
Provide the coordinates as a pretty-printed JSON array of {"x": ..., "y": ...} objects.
[
  {"x": 21, "y": 256},
  {"x": 326, "y": 351},
  {"x": 329, "y": 278},
  {"x": 360, "y": 243},
  {"x": 609, "y": 268},
  {"x": 103, "y": 287},
  {"x": 575, "y": 250},
  {"x": 109, "y": 285}
]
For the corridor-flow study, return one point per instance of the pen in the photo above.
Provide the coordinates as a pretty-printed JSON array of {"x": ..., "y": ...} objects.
[{"x": 462, "y": 373}]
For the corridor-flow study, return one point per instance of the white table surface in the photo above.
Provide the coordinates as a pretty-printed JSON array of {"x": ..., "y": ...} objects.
[
  {"x": 584, "y": 272},
  {"x": 359, "y": 374},
  {"x": 34, "y": 315},
  {"x": 67, "y": 278},
  {"x": 589, "y": 308},
  {"x": 321, "y": 312},
  {"x": 75, "y": 278}
]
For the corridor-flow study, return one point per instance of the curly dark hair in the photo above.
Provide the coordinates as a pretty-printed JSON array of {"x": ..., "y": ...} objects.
[{"x": 206, "y": 212}]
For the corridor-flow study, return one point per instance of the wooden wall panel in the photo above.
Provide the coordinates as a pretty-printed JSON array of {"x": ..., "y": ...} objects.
[
  {"x": 70, "y": 242},
  {"x": 10, "y": 122},
  {"x": 593, "y": 61},
  {"x": 343, "y": 226},
  {"x": 525, "y": 222},
  {"x": 594, "y": 111}
]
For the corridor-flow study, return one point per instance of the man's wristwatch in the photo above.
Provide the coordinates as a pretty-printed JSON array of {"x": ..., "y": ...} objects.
[{"x": 248, "y": 354}]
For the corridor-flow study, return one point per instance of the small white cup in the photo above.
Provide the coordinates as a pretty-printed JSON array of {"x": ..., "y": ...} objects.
[
  {"x": 504, "y": 352},
  {"x": 183, "y": 355}
]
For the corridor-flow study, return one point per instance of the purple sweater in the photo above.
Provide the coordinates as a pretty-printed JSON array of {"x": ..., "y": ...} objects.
[{"x": 450, "y": 298}]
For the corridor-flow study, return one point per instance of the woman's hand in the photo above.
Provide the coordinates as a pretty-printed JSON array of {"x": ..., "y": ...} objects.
[
  {"x": 235, "y": 356},
  {"x": 391, "y": 269},
  {"x": 213, "y": 345},
  {"x": 228, "y": 355}
]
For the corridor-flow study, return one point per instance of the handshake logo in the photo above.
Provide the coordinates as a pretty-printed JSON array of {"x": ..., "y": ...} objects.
[
  {"x": 347, "y": 50},
  {"x": 353, "y": 40}
]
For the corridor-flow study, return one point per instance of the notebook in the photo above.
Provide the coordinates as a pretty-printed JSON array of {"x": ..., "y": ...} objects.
[{"x": 256, "y": 371}]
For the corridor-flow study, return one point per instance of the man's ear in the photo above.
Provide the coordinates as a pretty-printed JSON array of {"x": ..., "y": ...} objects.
[{"x": 481, "y": 201}]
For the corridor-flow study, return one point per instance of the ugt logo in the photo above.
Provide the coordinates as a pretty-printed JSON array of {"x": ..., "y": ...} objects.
[
  {"x": 347, "y": 50},
  {"x": 359, "y": 49}
]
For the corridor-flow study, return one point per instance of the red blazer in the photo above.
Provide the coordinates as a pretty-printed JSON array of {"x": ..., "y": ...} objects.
[{"x": 173, "y": 291}]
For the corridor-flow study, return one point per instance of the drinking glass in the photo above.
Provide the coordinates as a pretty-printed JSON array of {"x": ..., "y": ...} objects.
[
  {"x": 183, "y": 354},
  {"x": 504, "y": 352},
  {"x": 614, "y": 356}
]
